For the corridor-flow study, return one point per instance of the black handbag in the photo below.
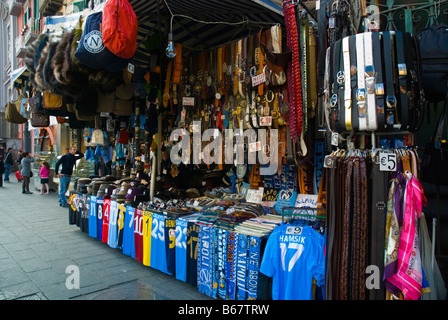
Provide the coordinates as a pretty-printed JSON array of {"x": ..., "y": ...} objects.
[
  {"x": 435, "y": 156},
  {"x": 433, "y": 46}
]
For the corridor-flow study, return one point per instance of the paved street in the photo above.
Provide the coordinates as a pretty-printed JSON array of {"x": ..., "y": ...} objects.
[{"x": 37, "y": 244}]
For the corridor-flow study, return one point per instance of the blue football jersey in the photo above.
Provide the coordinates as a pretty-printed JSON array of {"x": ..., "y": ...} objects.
[
  {"x": 293, "y": 256},
  {"x": 99, "y": 213},
  {"x": 112, "y": 239},
  {"x": 181, "y": 249},
  {"x": 93, "y": 228},
  {"x": 158, "y": 251},
  {"x": 128, "y": 232}
]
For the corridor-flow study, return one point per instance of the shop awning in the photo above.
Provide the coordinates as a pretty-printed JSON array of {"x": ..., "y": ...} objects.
[
  {"x": 19, "y": 73},
  {"x": 243, "y": 17},
  {"x": 191, "y": 22}
]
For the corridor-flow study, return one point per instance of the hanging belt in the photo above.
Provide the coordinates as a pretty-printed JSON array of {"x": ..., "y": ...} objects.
[
  {"x": 369, "y": 73},
  {"x": 347, "y": 221},
  {"x": 379, "y": 82},
  {"x": 353, "y": 80},
  {"x": 402, "y": 77},
  {"x": 361, "y": 91},
  {"x": 337, "y": 100},
  {"x": 347, "y": 88},
  {"x": 391, "y": 99}
]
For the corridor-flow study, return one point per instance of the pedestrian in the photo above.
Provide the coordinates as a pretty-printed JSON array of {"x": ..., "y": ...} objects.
[
  {"x": 44, "y": 177},
  {"x": 2, "y": 170},
  {"x": 67, "y": 161},
  {"x": 8, "y": 164},
  {"x": 26, "y": 172},
  {"x": 19, "y": 160}
]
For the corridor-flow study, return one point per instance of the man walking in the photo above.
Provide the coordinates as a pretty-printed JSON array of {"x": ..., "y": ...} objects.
[
  {"x": 8, "y": 164},
  {"x": 67, "y": 161}
]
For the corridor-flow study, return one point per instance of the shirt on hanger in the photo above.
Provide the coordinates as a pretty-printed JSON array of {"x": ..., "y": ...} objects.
[{"x": 293, "y": 256}]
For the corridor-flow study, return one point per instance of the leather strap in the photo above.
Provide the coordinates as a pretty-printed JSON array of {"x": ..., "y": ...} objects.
[
  {"x": 369, "y": 73},
  {"x": 166, "y": 94},
  {"x": 402, "y": 76},
  {"x": 361, "y": 90},
  {"x": 177, "y": 64},
  {"x": 379, "y": 82},
  {"x": 347, "y": 87},
  {"x": 391, "y": 100}
]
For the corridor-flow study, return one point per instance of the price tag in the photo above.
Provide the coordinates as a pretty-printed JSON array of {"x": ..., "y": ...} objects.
[
  {"x": 266, "y": 121},
  {"x": 255, "y": 146},
  {"x": 131, "y": 68},
  {"x": 230, "y": 210},
  {"x": 259, "y": 79},
  {"x": 196, "y": 203},
  {"x": 334, "y": 139},
  {"x": 388, "y": 161},
  {"x": 188, "y": 101}
]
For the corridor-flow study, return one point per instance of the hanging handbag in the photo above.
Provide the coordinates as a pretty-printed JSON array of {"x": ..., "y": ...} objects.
[
  {"x": 12, "y": 113},
  {"x": 51, "y": 101},
  {"x": 433, "y": 47},
  {"x": 39, "y": 120},
  {"x": 435, "y": 156},
  {"x": 97, "y": 137}
]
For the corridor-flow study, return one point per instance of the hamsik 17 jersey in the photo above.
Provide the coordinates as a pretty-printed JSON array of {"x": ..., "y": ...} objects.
[{"x": 293, "y": 256}]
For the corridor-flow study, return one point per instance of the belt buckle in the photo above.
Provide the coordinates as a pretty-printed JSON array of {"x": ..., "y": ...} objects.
[
  {"x": 379, "y": 89},
  {"x": 361, "y": 94},
  {"x": 334, "y": 100},
  {"x": 391, "y": 102},
  {"x": 402, "y": 71},
  {"x": 340, "y": 77}
]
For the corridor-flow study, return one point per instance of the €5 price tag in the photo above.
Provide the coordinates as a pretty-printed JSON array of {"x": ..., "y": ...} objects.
[{"x": 388, "y": 161}]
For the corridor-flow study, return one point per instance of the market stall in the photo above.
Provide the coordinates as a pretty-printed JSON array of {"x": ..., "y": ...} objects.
[{"x": 247, "y": 148}]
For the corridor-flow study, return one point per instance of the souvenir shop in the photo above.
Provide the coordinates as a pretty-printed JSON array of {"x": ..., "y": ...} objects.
[{"x": 253, "y": 149}]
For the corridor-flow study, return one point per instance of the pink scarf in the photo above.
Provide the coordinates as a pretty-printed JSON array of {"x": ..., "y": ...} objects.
[{"x": 409, "y": 272}]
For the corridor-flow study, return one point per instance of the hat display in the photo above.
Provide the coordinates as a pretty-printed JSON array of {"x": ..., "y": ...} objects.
[{"x": 132, "y": 192}]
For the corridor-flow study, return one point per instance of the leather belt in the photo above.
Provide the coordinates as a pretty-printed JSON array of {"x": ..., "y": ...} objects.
[
  {"x": 337, "y": 99},
  {"x": 402, "y": 76},
  {"x": 369, "y": 73},
  {"x": 391, "y": 99},
  {"x": 379, "y": 82},
  {"x": 360, "y": 92},
  {"x": 166, "y": 95},
  {"x": 347, "y": 87}
]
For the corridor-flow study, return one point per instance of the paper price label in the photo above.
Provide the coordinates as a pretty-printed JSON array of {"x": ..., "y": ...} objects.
[
  {"x": 388, "y": 161},
  {"x": 188, "y": 101},
  {"x": 255, "y": 146},
  {"x": 266, "y": 121},
  {"x": 334, "y": 139},
  {"x": 259, "y": 79}
]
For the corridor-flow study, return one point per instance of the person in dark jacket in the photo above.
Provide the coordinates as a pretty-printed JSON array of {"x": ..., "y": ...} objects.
[
  {"x": 67, "y": 161},
  {"x": 26, "y": 172},
  {"x": 8, "y": 164}
]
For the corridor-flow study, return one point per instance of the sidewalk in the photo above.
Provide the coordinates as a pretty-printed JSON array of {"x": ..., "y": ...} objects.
[{"x": 37, "y": 245}]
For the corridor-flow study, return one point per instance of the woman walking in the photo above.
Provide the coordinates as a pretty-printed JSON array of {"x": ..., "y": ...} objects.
[{"x": 26, "y": 172}]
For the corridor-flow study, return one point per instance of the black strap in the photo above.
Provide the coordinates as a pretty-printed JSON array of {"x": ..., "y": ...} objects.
[
  {"x": 402, "y": 76},
  {"x": 354, "y": 81},
  {"x": 340, "y": 80},
  {"x": 437, "y": 136},
  {"x": 337, "y": 116},
  {"x": 379, "y": 81},
  {"x": 391, "y": 100},
  {"x": 321, "y": 54}
]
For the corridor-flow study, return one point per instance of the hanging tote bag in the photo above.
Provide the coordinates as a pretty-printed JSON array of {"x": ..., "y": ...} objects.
[
  {"x": 120, "y": 28},
  {"x": 435, "y": 157},
  {"x": 91, "y": 50},
  {"x": 12, "y": 113},
  {"x": 433, "y": 46}
]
